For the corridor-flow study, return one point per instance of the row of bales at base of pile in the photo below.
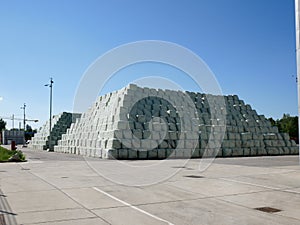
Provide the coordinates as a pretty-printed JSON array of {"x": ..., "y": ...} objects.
[{"x": 145, "y": 123}]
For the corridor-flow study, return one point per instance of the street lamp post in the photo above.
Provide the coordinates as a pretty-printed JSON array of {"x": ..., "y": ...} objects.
[
  {"x": 24, "y": 114},
  {"x": 50, "y": 117},
  {"x": 24, "y": 120},
  {"x": 13, "y": 121}
]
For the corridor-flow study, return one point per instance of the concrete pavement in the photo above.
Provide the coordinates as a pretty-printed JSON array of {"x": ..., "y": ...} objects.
[{"x": 55, "y": 188}]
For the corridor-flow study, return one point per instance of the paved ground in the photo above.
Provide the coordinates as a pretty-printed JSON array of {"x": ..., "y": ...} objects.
[{"x": 60, "y": 189}]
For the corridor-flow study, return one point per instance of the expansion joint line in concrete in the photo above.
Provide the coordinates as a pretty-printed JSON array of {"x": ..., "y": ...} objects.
[
  {"x": 132, "y": 206},
  {"x": 66, "y": 194},
  {"x": 248, "y": 183},
  {"x": 5, "y": 210}
]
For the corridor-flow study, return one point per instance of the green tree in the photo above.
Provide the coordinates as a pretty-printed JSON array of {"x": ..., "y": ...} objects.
[
  {"x": 2, "y": 124},
  {"x": 2, "y": 127},
  {"x": 29, "y": 133},
  {"x": 287, "y": 124}
]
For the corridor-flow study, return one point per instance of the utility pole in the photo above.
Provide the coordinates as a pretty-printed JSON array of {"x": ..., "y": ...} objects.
[{"x": 50, "y": 116}]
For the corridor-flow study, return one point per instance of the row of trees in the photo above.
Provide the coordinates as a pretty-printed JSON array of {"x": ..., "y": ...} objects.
[{"x": 287, "y": 124}]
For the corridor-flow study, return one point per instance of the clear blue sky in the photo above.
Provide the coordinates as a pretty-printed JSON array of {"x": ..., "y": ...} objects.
[{"x": 248, "y": 44}]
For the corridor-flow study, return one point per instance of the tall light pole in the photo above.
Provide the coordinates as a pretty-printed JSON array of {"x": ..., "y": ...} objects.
[
  {"x": 50, "y": 117},
  {"x": 13, "y": 121},
  {"x": 24, "y": 120},
  {"x": 24, "y": 114}
]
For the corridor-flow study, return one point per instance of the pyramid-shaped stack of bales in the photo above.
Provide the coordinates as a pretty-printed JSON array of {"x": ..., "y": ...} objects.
[
  {"x": 132, "y": 123},
  {"x": 144, "y": 123},
  {"x": 59, "y": 125}
]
